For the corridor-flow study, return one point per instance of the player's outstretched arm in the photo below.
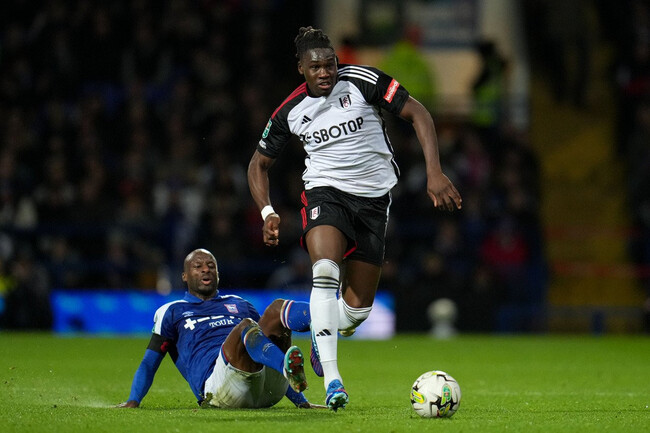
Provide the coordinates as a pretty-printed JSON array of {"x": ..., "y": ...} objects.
[
  {"x": 440, "y": 189},
  {"x": 145, "y": 373}
]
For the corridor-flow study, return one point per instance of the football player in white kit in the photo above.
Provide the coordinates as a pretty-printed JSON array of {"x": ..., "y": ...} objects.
[{"x": 350, "y": 170}]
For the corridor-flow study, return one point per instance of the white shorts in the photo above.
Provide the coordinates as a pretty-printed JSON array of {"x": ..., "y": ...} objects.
[{"x": 229, "y": 387}]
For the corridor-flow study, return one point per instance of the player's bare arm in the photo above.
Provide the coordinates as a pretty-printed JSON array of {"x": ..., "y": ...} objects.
[
  {"x": 441, "y": 190},
  {"x": 258, "y": 181}
]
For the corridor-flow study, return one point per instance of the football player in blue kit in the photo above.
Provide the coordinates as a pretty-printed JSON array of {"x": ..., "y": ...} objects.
[
  {"x": 230, "y": 356},
  {"x": 337, "y": 114}
]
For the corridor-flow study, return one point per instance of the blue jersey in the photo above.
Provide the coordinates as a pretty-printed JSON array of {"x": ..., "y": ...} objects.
[{"x": 197, "y": 329}]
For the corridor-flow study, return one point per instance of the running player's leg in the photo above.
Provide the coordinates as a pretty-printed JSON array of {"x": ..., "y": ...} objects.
[
  {"x": 358, "y": 294},
  {"x": 326, "y": 246},
  {"x": 363, "y": 265}
]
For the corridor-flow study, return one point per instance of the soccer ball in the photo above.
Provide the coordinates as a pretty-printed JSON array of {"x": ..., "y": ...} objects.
[{"x": 435, "y": 394}]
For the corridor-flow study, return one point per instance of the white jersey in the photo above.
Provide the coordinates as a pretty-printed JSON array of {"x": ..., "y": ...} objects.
[{"x": 343, "y": 134}]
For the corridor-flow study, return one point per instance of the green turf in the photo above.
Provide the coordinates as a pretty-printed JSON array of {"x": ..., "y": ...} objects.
[{"x": 523, "y": 383}]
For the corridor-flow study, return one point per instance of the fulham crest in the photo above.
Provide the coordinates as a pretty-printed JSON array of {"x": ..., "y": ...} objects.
[
  {"x": 345, "y": 101},
  {"x": 313, "y": 214}
]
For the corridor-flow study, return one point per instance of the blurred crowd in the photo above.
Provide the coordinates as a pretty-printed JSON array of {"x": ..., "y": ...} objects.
[
  {"x": 630, "y": 32},
  {"x": 126, "y": 128},
  {"x": 563, "y": 35}
]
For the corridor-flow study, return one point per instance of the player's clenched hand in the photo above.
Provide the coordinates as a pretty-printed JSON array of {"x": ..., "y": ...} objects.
[
  {"x": 443, "y": 193},
  {"x": 130, "y": 403},
  {"x": 271, "y": 230}
]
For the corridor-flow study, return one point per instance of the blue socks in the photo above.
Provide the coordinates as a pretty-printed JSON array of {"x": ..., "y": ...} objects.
[
  {"x": 295, "y": 315},
  {"x": 262, "y": 349}
]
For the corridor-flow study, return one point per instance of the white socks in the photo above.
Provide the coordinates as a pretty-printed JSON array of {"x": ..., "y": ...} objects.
[
  {"x": 324, "y": 310},
  {"x": 349, "y": 317}
]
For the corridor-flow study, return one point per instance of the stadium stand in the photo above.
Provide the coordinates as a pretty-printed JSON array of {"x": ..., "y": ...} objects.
[{"x": 126, "y": 127}]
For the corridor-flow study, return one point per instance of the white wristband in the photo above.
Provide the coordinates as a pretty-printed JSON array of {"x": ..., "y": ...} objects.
[{"x": 266, "y": 211}]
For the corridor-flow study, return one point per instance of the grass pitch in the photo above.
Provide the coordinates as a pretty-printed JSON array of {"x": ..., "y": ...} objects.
[{"x": 509, "y": 383}]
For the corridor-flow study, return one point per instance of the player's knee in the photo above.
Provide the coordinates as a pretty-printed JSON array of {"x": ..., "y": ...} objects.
[
  {"x": 248, "y": 322},
  {"x": 270, "y": 320},
  {"x": 234, "y": 347},
  {"x": 246, "y": 328},
  {"x": 246, "y": 325},
  {"x": 274, "y": 308},
  {"x": 326, "y": 269}
]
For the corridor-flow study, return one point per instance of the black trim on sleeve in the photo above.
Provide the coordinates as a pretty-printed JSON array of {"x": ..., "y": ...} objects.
[
  {"x": 378, "y": 88},
  {"x": 398, "y": 96},
  {"x": 159, "y": 344}
]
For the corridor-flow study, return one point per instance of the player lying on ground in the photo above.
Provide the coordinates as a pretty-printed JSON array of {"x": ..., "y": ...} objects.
[{"x": 230, "y": 356}]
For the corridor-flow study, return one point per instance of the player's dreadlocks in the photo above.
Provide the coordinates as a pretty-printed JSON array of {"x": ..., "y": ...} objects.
[{"x": 309, "y": 38}]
